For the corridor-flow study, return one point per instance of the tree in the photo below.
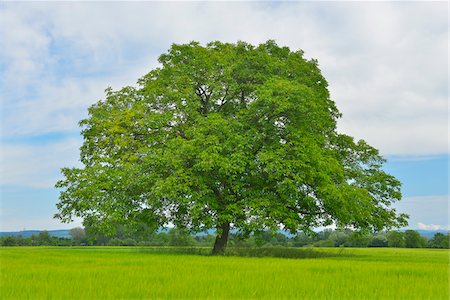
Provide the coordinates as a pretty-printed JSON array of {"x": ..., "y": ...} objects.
[
  {"x": 414, "y": 240},
  {"x": 339, "y": 237},
  {"x": 44, "y": 237},
  {"x": 396, "y": 239},
  {"x": 226, "y": 135},
  {"x": 301, "y": 239},
  {"x": 9, "y": 241},
  {"x": 439, "y": 240},
  {"x": 357, "y": 239},
  {"x": 378, "y": 241},
  {"x": 180, "y": 237},
  {"x": 78, "y": 235}
]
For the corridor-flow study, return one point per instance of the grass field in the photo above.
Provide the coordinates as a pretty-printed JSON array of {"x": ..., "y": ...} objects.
[{"x": 146, "y": 273}]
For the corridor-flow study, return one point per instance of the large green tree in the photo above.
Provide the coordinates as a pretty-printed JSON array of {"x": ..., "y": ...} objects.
[{"x": 226, "y": 136}]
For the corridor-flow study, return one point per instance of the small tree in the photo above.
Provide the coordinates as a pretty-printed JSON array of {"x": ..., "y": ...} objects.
[
  {"x": 338, "y": 237},
  {"x": 396, "y": 239},
  {"x": 78, "y": 235},
  {"x": 44, "y": 238},
  {"x": 180, "y": 237},
  {"x": 414, "y": 240},
  {"x": 439, "y": 240},
  {"x": 221, "y": 136},
  {"x": 357, "y": 239},
  {"x": 301, "y": 239}
]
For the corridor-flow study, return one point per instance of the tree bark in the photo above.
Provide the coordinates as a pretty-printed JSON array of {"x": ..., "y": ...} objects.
[{"x": 221, "y": 239}]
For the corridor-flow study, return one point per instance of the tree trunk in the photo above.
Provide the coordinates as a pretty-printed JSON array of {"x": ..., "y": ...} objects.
[{"x": 221, "y": 239}]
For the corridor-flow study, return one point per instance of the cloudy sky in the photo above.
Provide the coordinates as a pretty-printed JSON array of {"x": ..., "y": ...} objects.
[{"x": 386, "y": 64}]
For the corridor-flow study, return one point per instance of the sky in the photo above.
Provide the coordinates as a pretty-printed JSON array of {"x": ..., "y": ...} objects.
[{"x": 386, "y": 64}]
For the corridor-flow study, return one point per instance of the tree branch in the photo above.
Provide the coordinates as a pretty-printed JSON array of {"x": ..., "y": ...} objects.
[{"x": 222, "y": 101}]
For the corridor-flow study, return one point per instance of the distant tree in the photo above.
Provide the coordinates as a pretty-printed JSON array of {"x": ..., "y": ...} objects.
[
  {"x": 22, "y": 241},
  {"x": 44, "y": 238},
  {"x": 115, "y": 242},
  {"x": 240, "y": 240},
  {"x": 162, "y": 239},
  {"x": 413, "y": 239},
  {"x": 280, "y": 239},
  {"x": 25, "y": 241},
  {"x": 78, "y": 235},
  {"x": 357, "y": 239},
  {"x": 439, "y": 240},
  {"x": 301, "y": 239},
  {"x": 226, "y": 135},
  {"x": 9, "y": 241},
  {"x": 180, "y": 237},
  {"x": 269, "y": 237},
  {"x": 324, "y": 234},
  {"x": 339, "y": 237},
  {"x": 129, "y": 242},
  {"x": 396, "y": 239},
  {"x": 378, "y": 241},
  {"x": 324, "y": 243},
  {"x": 204, "y": 240}
]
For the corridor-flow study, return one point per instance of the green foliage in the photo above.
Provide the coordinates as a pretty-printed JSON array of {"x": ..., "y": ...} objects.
[
  {"x": 9, "y": 241},
  {"x": 226, "y": 134},
  {"x": 378, "y": 241},
  {"x": 439, "y": 240},
  {"x": 261, "y": 239},
  {"x": 78, "y": 236},
  {"x": 396, "y": 239},
  {"x": 118, "y": 242},
  {"x": 44, "y": 238},
  {"x": 414, "y": 240},
  {"x": 339, "y": 238},
  {"x": 301, "y": 239},
  {"x": 180, "y": 237},
  {"x": 357, "y": 239},
  {"x": 324, "y": 243},
  {"x": 34, "y": 240},
  {"x": 271, "y": 238}
]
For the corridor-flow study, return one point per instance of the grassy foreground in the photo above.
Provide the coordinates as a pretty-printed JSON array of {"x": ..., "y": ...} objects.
[{"x": 137, "y": 273}]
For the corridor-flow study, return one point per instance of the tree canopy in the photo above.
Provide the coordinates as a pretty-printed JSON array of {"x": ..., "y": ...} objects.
[{"x": 226, "y": 136}]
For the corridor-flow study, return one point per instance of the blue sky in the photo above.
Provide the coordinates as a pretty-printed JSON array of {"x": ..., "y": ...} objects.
[{"x": 386, "y": 64}]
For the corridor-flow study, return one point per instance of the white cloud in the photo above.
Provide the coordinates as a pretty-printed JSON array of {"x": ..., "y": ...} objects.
[
  {"x": 386, "y": 63},
  {"x": 57, "y": 107},
  {"x": 424, "y": 210},
  {"x": 431, "y": 226},
  {"x": 24, "y": 49},
  {"x": 37, "y": 165}
]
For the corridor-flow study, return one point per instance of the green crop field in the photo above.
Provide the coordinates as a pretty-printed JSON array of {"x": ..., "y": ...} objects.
[{"x": 151, "y": 273}]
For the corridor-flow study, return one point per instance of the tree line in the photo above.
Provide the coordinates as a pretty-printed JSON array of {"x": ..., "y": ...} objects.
[{"x": 180, "y": 237}]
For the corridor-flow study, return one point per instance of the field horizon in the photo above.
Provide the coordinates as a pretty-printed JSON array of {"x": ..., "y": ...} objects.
[{"x": 64, "y": 233}]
